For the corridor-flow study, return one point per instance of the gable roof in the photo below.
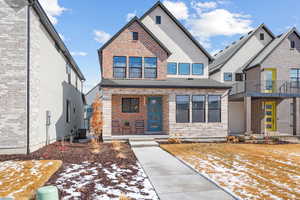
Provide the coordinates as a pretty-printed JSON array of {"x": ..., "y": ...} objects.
[
  {"x": 225, "y": 55},
  {"x": 264, "y": 54},
  {"x": 135, "y": 19},
  {"x": 187, "y": 33},
  {"x": 55, "y": 36}
]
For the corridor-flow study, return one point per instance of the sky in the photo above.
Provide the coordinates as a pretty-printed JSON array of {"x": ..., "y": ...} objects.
[{"x": 85, "y": 25}]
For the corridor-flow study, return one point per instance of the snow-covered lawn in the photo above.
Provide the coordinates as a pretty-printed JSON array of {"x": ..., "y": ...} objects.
[
  {"x": 249, "y": 171},
  {"x": 106, "y": 183},
  {"x": 20, "y": 179}
]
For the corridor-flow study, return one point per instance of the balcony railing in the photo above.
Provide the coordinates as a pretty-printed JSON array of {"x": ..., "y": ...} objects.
[{"x": 267, "y": 87}]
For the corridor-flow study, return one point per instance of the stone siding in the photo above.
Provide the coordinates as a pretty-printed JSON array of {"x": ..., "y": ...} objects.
[
  {"x": 123, "y": 45},
  {"x": 13, "y": 36},
  {"x": 186, "y": 129}
]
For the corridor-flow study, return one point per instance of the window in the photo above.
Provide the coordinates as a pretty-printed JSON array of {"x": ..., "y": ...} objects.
[
  {"x": 262, "y": 36},
  {"x": 292, "y": 44},
  {"x": 184, "y": 68},
  {"x": 130, "y": 105},
  {"x": 119, "y": 66},
  {"x": 158, "y": 19},
  {"x": 295, "y": 78},
  {"x": 172, "y": 68},
  {"x": 214, "y": 108},
  {"x": 68, "y": 68},
  {"x": 68, "y": 111},
  {"x": 150, "y": 67},
  {"x": 239, "y": 77},
  {"x": 227, "y": 76},
  {"x": 135, "y": 67},
  {"x": 76, "y": 82},
  {"x": 198, "y": 108},
  {"x": 182, "y": 109},
  {"x": 197, "y": 69},
  {"x": 135, "y": 35}
]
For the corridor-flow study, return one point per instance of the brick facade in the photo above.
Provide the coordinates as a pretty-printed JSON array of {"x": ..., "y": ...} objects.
[
  {"x": 123, "y": 45},
  {"x": 112, "y": 110}
]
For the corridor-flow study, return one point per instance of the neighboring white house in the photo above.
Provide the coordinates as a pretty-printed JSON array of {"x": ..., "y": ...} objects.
[
  {"x": 40, "y": 83},
  {"x": 228, "y": 64}
]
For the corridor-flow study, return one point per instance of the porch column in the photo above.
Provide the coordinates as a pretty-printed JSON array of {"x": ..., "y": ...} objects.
[
  {"x": 297, "y": 113},
  {"x": 247, "y": 107},
  {"x": 107, "y": 116}
]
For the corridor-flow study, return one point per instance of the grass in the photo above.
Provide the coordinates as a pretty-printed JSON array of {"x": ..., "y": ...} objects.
[
  {"x": 250, "y": 171},
  {"x": 20, "y": 179}
]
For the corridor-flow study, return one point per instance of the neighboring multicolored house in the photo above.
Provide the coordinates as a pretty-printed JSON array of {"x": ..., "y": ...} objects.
[
  {"x": 155, "y": 80},
  {"x": 265, "y": 73}
]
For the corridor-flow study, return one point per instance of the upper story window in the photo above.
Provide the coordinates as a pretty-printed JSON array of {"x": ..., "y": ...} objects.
[
  {"x": 197, "y": 69},
  {"x": 68, "y": 111},
  {"x": 295, "y": 78},
  {"x": 69, "y": 73},
  {"x": 227, "y": 76},
  {"x": 293, "y": 44},
  {"x": 135, "y": 35},
  {"x": 172, "y": 68},
  {"x": 135, "y": 67},
  {"x": 119, "y": 67},
  {"x": 184, "y": 68},
  {"x": 76, "y": 82},
  {"x": 158, "y": 19},
  {"x": 150, "y": 67},
  {"x": 239, "y": 77},
  {"x": 262, "y": 36}
]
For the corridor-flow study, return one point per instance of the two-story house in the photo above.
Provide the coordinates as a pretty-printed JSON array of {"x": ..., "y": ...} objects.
[
  {"x": 155, "y": 80},
  {"x": 41, "y": 85},
  {"x": 265, "y": 97}
]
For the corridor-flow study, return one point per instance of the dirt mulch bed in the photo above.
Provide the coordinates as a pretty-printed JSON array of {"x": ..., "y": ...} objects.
[{"x": 86, "y": 175}]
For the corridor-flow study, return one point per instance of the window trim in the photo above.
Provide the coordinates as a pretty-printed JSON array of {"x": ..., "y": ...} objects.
[
  {"x": 135, "y": 36},
  {"x": 156, "y": 19},
  {"x": 176, "y": 68},
  {"x": 130, "y": 111},
  {"x": 179, "y": 69},
  {"x": 129, "y": 67},
  {"x": 220, "y": 109},
  {"x": 193, "y": 73},
  {"x": 228, "y": 73},
  {"x": 204, "y": 109},
  {"x": 189, "y": 109},
  {"x": 144, "y": 70},
  {"x": 126, "y": 65}
]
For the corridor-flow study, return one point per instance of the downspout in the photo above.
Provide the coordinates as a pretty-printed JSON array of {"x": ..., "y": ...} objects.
[{"x": 28, "y": 77}]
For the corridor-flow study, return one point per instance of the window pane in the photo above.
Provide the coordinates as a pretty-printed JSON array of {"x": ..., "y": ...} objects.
[
  {"x": 184, "y": 68},
  {"x": 135, "y": 61},
  {"x": 130, "y": 105},
  {"x": 198, "y": 69},
  {"x": 150, "y": 62},
  {"x": 238, "y": 77},
  {"x": 135, "y": 72},
  {"x": 227, "y": 76},
  {"x": 119, "y": 61},
  {"x": 135, "y": 35},
  {"x": 158, "y": 19},
  {"x": 182, "y": 109},
  {"x": 150, "y": 73},
  {"x": 214, "y": 108},
  {"x": 198, "y": 106},
  {"x": 119, "y": 72},
  {"x": 172, "y": 68}
]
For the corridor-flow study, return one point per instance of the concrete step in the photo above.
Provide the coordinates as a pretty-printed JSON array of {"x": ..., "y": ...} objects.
[{"x": 143, "y": 143}]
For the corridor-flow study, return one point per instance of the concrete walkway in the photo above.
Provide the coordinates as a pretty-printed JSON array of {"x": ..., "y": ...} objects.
[{"x": 173, "y": 180}]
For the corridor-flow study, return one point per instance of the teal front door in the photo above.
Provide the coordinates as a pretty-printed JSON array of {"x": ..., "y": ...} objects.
[{"x": 154, "y": 110}]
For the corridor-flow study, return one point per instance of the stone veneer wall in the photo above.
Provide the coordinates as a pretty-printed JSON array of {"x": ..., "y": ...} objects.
[
  {"x": 13, "y": 64},
  {"x": 123, "y": 45},
  {"x": 186, "y": 129}
]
